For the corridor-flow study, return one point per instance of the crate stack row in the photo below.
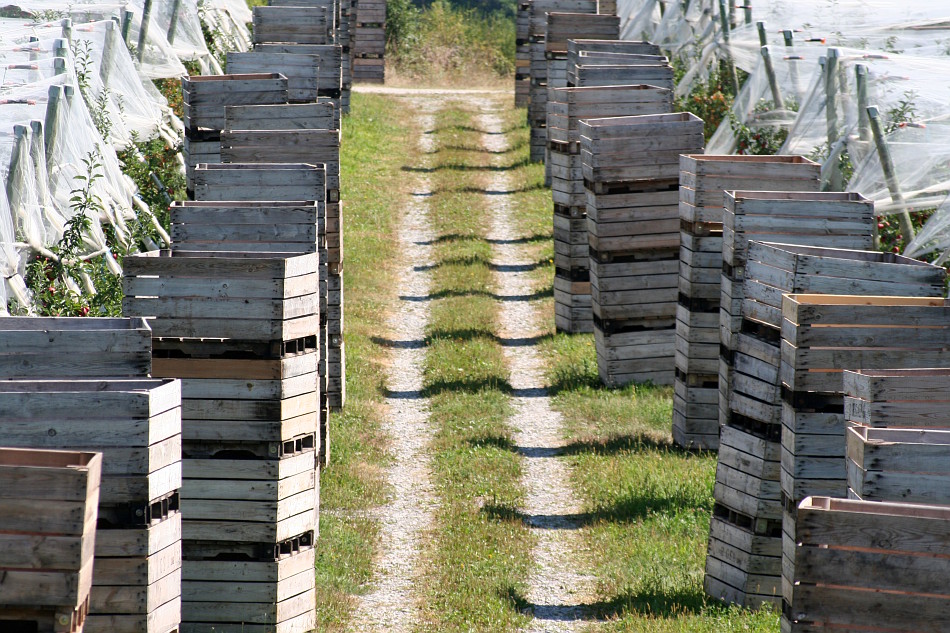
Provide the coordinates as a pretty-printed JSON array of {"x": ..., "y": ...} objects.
[
  {"x": 750, "y": 490},
  {"x": 369, "y": 41},
  {"x": 48, "y": 503},
  {"x": 883, "y": 542},
  {"x": 703, "y": 179},
  {"x": 523, "y": 54},
  {"x": 83, "y": 385},
  {"x": 568, "y": 106},
  {"x": 538, "y": 11},
  {"x": 239, "y": 330},
  {"x": 823, "y": 335},
  {"x": 631, "y": 173}
]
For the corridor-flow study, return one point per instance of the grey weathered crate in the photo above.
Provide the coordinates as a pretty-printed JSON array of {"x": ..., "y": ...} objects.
[
  {"x": 290, "y": 146},
  {"x": 48, "y": 502},
  {"x": 230, "y": 295},
  {"x": 634, "y": 356},
  {"x": 564, "y": 26},
  {"x": 252, "y": 226},
  {"x": 327, "y": 57},
  {"x": 301, "y": 70},
  {"x": 703, "y": 180},
  {"x": 74, "y": 347},
  {"x": 897, "y": 398},
  {"x": 905, "y": 465},
  {"x": 299, "y": 25},
  {"x": 324, "y": 115},
  {"x": 260, "y": 181},
  {"x": 657, "y": 75},
  {"x": 863, "y": 565},
  {"x": 205, "y": 97}
]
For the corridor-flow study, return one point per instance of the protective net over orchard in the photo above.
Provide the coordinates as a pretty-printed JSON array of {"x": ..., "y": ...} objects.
[{"x": 860, "y": 85}]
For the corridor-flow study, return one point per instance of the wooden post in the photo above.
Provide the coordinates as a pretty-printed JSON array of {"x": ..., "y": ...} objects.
[
  {"x": 831, "y": 116},
  {"x": 15, "y": 178},
  {"x": 52, "y": 117},
  {"x": 890, "y": 175},
  {"x": 126, "y": 25},
  {"x": 760, "y": 27},
  {"x": 732, "y": 14},
  {"x": 105, "y": 67},
  {"x": 38, "y": 156},
  {"x": 864, "y": 125},
  {"x": 34, "y": 56},
  {"x": 173, "y": 26},
  {"x": 143, "y": 28},
  {"x": 67, "y": 25},
  {"x": 730, "y": 65},
  {"x": 773, "y": 81},
  {"x": 61, "y": 48},
  {"x": 793, "y": 63},
  {"x": 747, "y": 11}
]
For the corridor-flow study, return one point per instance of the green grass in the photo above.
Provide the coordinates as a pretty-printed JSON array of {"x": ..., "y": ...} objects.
[
  {"x": 376, "y": 135},
  {"x": 477, "y": 554}
]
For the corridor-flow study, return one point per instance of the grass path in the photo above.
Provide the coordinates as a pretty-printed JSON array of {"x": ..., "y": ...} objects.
[{"x": 483, "y": 480}]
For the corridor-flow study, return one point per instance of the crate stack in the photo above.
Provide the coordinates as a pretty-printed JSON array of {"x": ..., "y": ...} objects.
[
  {"x": 537, "y": 31},
  {"x": 748, "y": 492},
  {"x": 631, "y": 173},
  {"x": 870, "y": 566},
  {"x": 369, "y": 41},
  {"x": 48, "y": 502},
  {"x": 311, "y": 144},
  {"x": 629, "y": 69},
  {"x": 833, "y": 220},
  {"x": 703, "y": 179},
  {"x": 239, "y": 330},
  {"x": 523, "y": 55},
  {"x": 345, "y": 40},
  {"x": 205, "y": 98},
  {"x": 631, "y": 51},
  {"x": 82, "y": 384},
  {"x": 821, "y": 336},
  {"x": 566, "y": 108},
  {"x": 898, "y": 435}
]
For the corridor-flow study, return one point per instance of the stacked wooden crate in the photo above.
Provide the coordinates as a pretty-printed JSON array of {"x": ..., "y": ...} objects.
[
  {"x": 369, "y": 41},
  {"x": 537, "y": 31},
  {"x": 205, "y": 98},
  {"x": 239, "y": 330},
  {"x": 821, "y": 336},
  {"x": 580, "y": 50},
  {"x": 345, "y": 40},
  {"x": 747, "y": 491},
  {"x": 635, "y": 70},
  {"x": 833, "y": 220},
  {"x": 292, "y": 183},
  {"x": 48, "y": 503},
  {"x": 870, "y": 566},
  {"x": 523, "y": 55},
  {"x": 702, "y": 182},
  {"x": 631, "y": 173},
  {"x": 898, "y": 440},
  {"x": 566, "y": 108},
  {"x": 310, "y": 24},
  {"x": 136, "y": 425},
  {"x": 75, "y": 383}
]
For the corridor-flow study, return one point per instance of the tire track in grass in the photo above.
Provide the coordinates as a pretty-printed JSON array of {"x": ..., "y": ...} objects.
[
  {"x": 559, "y": 596},
  {"x": 391, "y": 604}
]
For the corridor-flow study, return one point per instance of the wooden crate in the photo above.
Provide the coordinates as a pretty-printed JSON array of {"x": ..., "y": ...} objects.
[
  {"x": 568, "y": 106},
  {"x": 327, "y": 57},
  {"x": 244, "y": 296},
  {"x": 638, "y": 148},
  {"x": 897, "y": 398},
  {"x": 48, "y": 502},
  {"x": 703, "y": 180},
  {"x": 564, "y": 26},
  {"x": 657, "y": 75},
  {"x": 834, "y": 220},
  {"x": 635, "y": 354},
  {"x": 290, "y": 227},
  {"x": 260, "y": 181},
  {"x": 74, "y": 347},
  {"x": 578, "y": 47},
  {"x": 868, "y": 566},
  {"x": 205, "y": 97},
  {"x": 324, "y": 115},
  {"x": 906, "y": 465},
  {"x": 255, "y": 596},
  {"x": 303, "y": 76},
  {"x": 299, "y": 25},
  {"x": 290, "y": 146}
]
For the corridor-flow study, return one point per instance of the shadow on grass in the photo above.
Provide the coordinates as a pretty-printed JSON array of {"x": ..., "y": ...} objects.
[
  {"x": 466, "y": 385},
  {"x": 459, "y": 336},
  {"x": 499, "y": 442},
  {"x": 445, "y": 294},
  {"x": 466, "y": 168},
  {"x": 488, "y": 192},
  {"x": 457, "y": 237},
  {"x": 469, "y": 128},
  {"x": 659, "y": 604},
  {"x": 481, "y": 260},
  {"x": 480, "y": 150}
]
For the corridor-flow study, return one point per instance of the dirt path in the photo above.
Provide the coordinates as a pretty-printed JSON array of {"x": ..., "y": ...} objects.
[
  {"x": 391, "y": 604},
  {"x": 558, "y": 593}
]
